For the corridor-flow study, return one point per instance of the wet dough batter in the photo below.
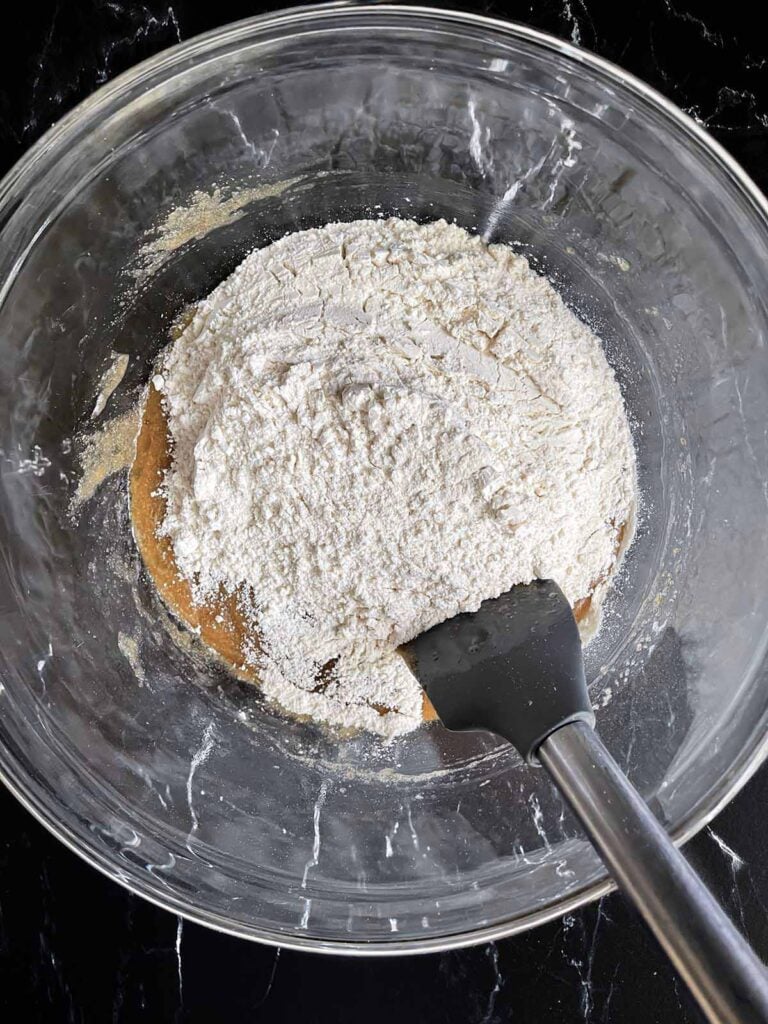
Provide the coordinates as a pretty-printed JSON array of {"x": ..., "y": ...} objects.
[{"x": 219, "y": 624}]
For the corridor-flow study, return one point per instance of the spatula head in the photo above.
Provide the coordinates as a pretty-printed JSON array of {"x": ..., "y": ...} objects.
[{"x": 513, "y": 667}]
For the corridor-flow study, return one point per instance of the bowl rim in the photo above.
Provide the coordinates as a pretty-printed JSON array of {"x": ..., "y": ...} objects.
[{"x": 739, "y": 772}]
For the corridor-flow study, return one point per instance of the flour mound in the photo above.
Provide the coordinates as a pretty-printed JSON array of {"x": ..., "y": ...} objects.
[{"x": 378, "y": 425}]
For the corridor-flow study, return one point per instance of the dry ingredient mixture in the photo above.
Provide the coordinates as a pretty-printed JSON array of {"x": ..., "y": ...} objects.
[{"x": 375, "y": 426}]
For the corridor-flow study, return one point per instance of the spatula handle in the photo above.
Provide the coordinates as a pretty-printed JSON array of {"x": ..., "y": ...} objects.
[{"x": 721, "y": 970}]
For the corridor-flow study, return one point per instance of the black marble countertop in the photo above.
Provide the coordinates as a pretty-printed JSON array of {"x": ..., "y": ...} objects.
[{"x": 76, "y": 947}]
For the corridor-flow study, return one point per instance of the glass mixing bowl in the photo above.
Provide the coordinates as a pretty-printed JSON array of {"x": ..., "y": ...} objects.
[{"x": 115, "y": 730}]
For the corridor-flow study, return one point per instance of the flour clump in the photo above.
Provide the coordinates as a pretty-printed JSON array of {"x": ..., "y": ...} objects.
[{"x": 375, "y": 426}]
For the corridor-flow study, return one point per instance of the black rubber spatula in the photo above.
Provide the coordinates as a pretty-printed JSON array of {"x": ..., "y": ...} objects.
[{"x": 515, "y": 668}]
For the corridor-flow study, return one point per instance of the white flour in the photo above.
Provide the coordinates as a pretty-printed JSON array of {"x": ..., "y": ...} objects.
[{"x": 378, "y": 425}]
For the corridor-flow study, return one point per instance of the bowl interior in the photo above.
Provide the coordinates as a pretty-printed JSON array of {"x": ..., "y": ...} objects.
[{"x": 178, "y": 780}]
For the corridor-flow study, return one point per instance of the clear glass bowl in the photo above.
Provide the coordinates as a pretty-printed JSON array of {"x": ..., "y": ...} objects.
[{"x": 176, "y": 780}]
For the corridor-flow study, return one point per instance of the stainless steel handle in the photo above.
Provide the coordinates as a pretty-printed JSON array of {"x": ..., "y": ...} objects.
[{"x": 723, "y": 973}]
